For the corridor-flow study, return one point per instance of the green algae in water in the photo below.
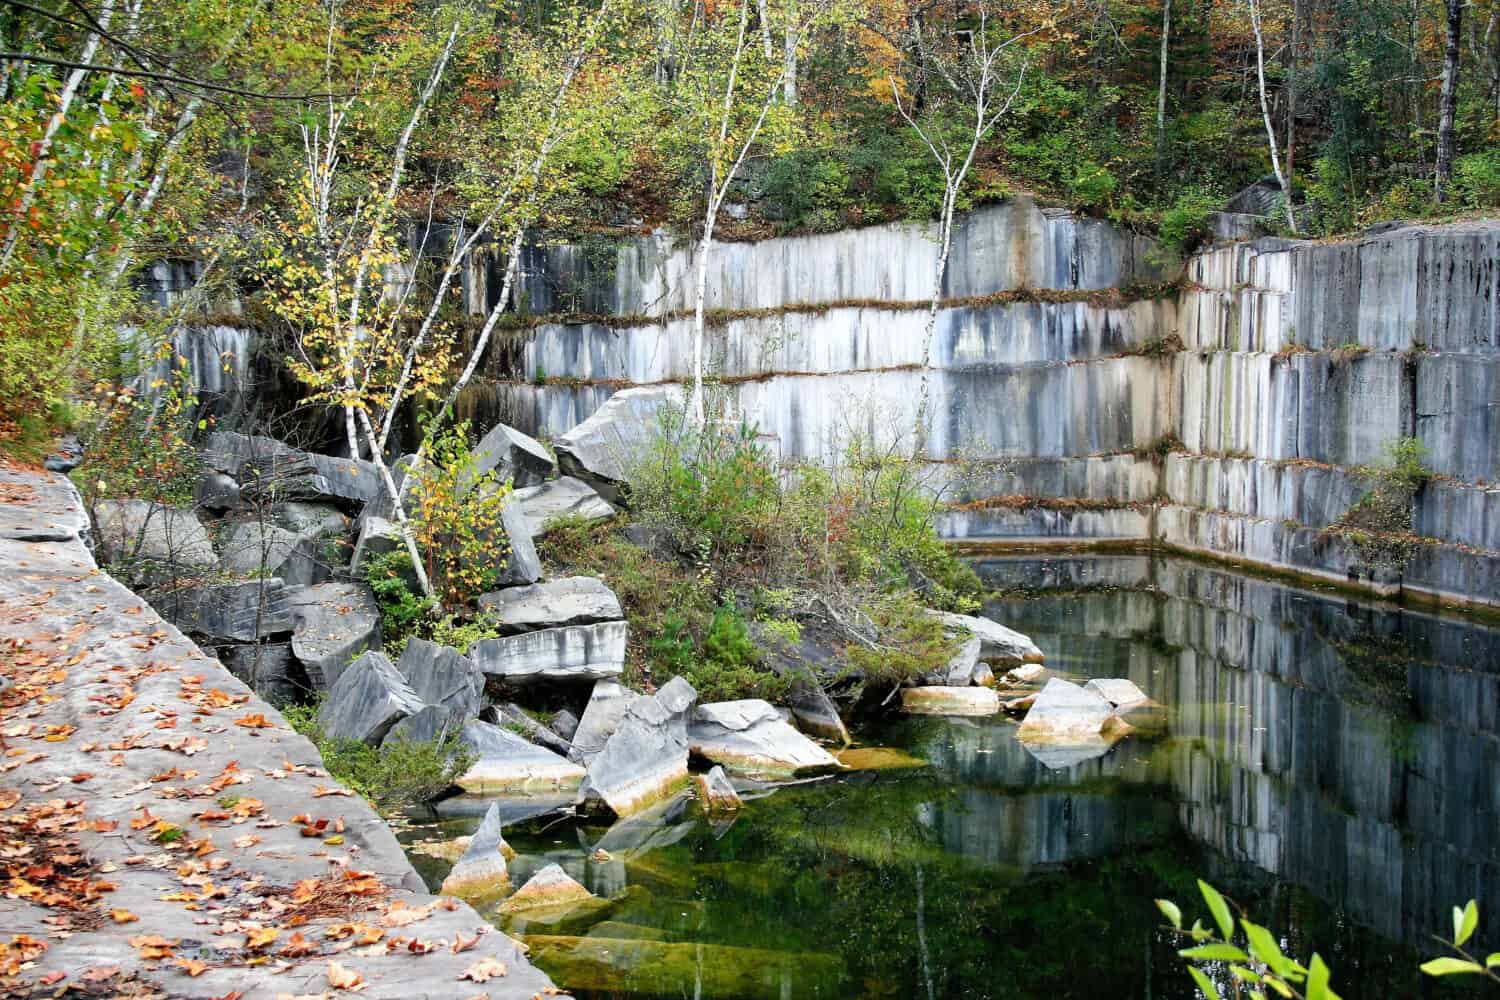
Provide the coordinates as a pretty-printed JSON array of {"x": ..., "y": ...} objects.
[{"x": 984, "y": 874}]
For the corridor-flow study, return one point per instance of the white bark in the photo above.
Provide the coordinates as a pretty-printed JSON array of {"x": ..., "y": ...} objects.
[
  {"x": 1265, "y": 112},
  {"x": 1161, "y": 89}
]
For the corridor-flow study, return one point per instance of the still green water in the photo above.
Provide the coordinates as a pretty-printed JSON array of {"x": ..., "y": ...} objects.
[{"x": 1331, "y": 765}]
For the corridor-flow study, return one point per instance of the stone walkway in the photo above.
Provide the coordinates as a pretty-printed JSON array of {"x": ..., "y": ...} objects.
[{"x": 163, "y": 832}]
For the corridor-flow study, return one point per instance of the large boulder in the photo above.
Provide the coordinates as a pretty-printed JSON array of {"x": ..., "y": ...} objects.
[
  {"x": 377, "y": 537},
  {"x": 441, "y": 675},
  {"x": 604, "y": 449},
  {"x": 567, "y": 497},
  {"x": 433, "y": 724},
  {"x": 369, "y": 697},
  {"x": 216, "y": 491},
  {"x": 333, "y": 622},
  {"x": 268, "y": 469},
  {"x": 311, "y": 520},
  {"x": 1118, "y": 691},
  {"x": 573, "y": 600},
  {"x": 1066, "y": 714},
  {"x": 150, "y": 541},
  {"x": 717, "y": 792},
  {"x": 507, "y": 762},
  {"x": 229, "y": 612},
  {"x": 644, "y": 761},
  {"x": 749, "y": 736},
  {"x": 255, "y": 548},
  {"x": 937, "y": 699},
  {"x": 513, "y": 534},
  {"x": 575, "y": 652},
  {"x": 481, "y": 869},
  {"x": 601, "y": 717},
  {"x": 511, "y": 455},
  {"x": 997, "y": 642}
]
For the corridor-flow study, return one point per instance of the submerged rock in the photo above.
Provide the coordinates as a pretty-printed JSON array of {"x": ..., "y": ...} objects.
[
  {"x": 1118, "y": 691},
  {"x": 750, "y": 736},
  {"x": 997, "y": 642},
  {"x": 717, "y": 792},
  {"x": 482, "y": 868},
  {"x": 511, "y": 455},
  {"x": 604, "y": 449},
  {"x": 645, "y": 759},
  {"x": 549, "y": 887},
  {"x": 369, "y": 698},
  {"x": 151, "y": 541},
  {"x": 937, "y": 699},
  {"x": 1066, "y": 714},
  {"x": 572, "y": 600},
  {"x": 333, "y": 622},
  {"x": 506, "y": 761},
  {"x": 567, "y": 497},
  {"x": 575, "y": 652}
]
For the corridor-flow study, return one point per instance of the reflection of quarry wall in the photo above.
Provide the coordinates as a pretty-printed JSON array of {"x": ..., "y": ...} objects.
[{"x": 1297, "y": 362}]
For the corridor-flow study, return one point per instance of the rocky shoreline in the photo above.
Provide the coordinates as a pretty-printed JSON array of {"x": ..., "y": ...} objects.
[{"x": 166, "y": 832}]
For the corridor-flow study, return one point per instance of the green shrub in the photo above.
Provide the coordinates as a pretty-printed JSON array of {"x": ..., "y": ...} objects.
[
  {"x": 914, "y": 643},
  {"x": 810, "y": 188},
  {"x": 456, "y": 519},
  {"x": 1476, "y": 178},
  {"x": 393, "y": 776},
  {"x": 402, "y": 609},
  {"x": 1186, "y": 224},
  {"x": 1091, "y": 185}
]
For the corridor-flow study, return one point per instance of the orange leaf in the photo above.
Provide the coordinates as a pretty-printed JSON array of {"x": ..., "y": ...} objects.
[
  {"x": 191, "y": 966},
  {"x": 261, "y": 936},
  {"x": 342, "y": 978},
  {"x": 123, "y": 916}
]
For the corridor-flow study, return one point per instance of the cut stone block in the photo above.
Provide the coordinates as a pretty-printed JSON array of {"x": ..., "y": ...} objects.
[
  {"x": 606, "y": 707},
  {"x": 151, "y": 540},
  {"x": 1065, "y": 713},
  {"x": 334, "y": 622},
  {"x": 577, "y": 652},
  {"x": 232, "y": 612},
  {"x": 1118, "y": 691},
  {"x": 572, "y": 600},
  {"x": 441, "y": 675},
  {"x": 251, "y": 548},
  {"x": 482, "y": 867},
  {"x": 507, "y": 762},
  {"x": 749, "y": 736},
  {"x": 368, "y": 699},
  {"x": 940, "y": 700},
  {"x": 998, "y": 642},
  {"x": 645, "y": 760},
  {"x": 511, "y": 455},
  {"x": 717, "y": 792},
  {"x": 568, "y": 497},
  {"x": 604, "y": 449}
]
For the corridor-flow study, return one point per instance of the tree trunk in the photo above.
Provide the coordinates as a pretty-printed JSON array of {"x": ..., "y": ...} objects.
[
  {"x": 1448, "y": 103},
  {"x": 789, "y": 66},
  {"x": 1161, "y": 88},
  {"x": 705, "y": 245},
  {"x": 1265, "y": 113},
  {"x": 765, "y": 32}
]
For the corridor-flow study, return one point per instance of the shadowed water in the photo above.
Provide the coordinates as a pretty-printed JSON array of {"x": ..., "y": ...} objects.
[{"x": 1330, "y": 765}]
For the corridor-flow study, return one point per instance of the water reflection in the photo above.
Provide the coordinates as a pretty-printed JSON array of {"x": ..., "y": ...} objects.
[{"x": 1331, "y": 765}]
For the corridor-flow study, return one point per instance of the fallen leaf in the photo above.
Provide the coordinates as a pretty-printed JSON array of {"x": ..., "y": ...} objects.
[
  {"x": 256, "y": 721},
  {"x": 484, "y": 970},
  {"x": 261, "y": 936},
  {"x": 123, "y": 916},
  {"x": 191, "y": 966},
  {"x": 461, "y": 943},
  {"x": 342, "y": 978},
  {"x": 153, "y": 946}
]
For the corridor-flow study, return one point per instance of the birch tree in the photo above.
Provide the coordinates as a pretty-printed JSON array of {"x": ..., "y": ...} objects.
[
  {"x": 1448, "y": 98},
  {"x": 1258, "y": 27},
  {"x": 973, "y": 71}
]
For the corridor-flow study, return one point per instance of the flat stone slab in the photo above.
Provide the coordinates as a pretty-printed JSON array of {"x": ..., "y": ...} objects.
[
  {"x": 333, "y": 623},
  {"x": 999, "y": 643},
  {"x": 107, "y": 643},
  {"x": 1118, "y": 691},
  {"x": 576, "y": 652},
  {"x": 750, "y": 737},
  {"x": 572, "y": 600},
  {"x": 508, "y": 762},
  {"x": 942, "y": 700},
  {"x": 34, "y": 508},
  {"x": 566, "y": 497}
]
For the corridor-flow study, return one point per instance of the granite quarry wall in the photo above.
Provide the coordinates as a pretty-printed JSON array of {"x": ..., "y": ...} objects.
[{"x": 1061, "y": 368}]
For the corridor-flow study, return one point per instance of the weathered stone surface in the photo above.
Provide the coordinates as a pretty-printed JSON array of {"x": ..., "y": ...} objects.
[
  {"x": 508, "y": 762},
  {"x": 513, "y": 715},
  {"x": 150, "y": 539},
  {"x": 937, "y": 700},
  {"x": 717, "y": 792},
  {"x": 268, "y": 668},
  {"x": 603, "y": 449},
  {"x": 564, "y": 497},
  {"x": 572, "y": 600},
  {"x": 602, "y": 715},
  {"x": 333, "y": 623},
  {"x": 1118, "y": 691},
  {"x": 749, "y": 736},
  {"x": 377, "y": 537},
  {"x": 576, "y": 652},
  {"x": 513, "y": 534},
  {"x": 266, "y": 467},
  {"x": 511, "y": 455},
  {"x": 959, "y": 671},
  {"x": 441, "y": 675},
  {"x": 1066, "y": 713},
  {"x": 481, "y": 869},
  {"x": 316, "y": 520},
  {"x": 105, "y": 625},
  {"x": 252, "y": 548},
  {"x": 40, "y": 508},
  {"x": 549, "y": 887},
  {"x": 233, "y": 612},
  {"x": 565, "y": 724},
  {"x": 216, "y": 491},
  {"x": 997, "y": 642},
  {"x": 432, "y": 724},
  {"x": 644, "y": 761},
  {"x": 369, "y": 698},
  {"x": 1026, "y": 673}
]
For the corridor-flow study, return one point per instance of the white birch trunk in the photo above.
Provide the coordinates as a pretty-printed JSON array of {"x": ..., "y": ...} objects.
[{"x": 1265, "y": 113}]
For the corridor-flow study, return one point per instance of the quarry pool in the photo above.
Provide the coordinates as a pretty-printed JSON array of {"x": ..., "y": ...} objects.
[{"x": 1332, "y": 765}]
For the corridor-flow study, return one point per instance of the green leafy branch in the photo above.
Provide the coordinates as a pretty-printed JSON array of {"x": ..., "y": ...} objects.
[{"x": 1465, "y": 922}]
